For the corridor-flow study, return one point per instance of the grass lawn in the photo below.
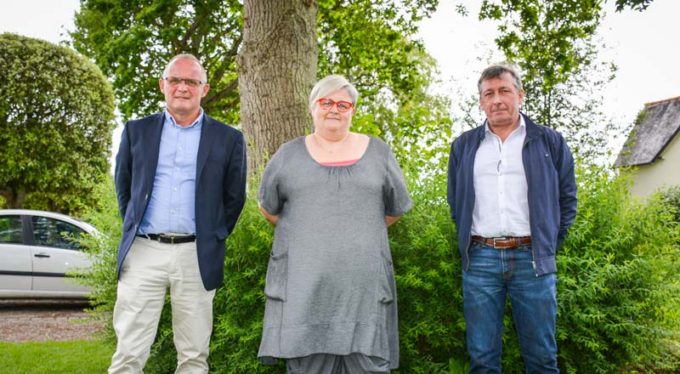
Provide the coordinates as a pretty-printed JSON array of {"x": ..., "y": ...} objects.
[{"x": 79, "y": 356}]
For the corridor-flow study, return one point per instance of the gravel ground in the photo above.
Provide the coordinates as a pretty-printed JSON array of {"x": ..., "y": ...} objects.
[{"x": 45, "y": 320}]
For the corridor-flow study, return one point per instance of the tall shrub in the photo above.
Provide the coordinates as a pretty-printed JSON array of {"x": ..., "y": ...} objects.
[
  {"x": 102, "y": 275},
  {"x": 428, "y": 292},
  {"x": 619, "y": 305},
  {"x": 619, "y": 290},
  {"x": 427, "y": 268},
  {"x": 671, "y": 197},
  {"x": 618, "y": 284}
]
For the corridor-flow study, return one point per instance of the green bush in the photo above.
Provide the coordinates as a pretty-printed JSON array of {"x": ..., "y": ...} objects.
[
  {"x": 619, "y": 305},
  {"x": 427, "y": 268},
  {"x": 103, "y": 251},
  {"x": 671, "y": 197},
  {"x": 619, "y": 274},
  {"x": 56, "y": 120}
]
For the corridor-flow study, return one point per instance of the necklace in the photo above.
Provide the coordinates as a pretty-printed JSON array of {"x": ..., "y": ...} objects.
[{"x": 339, "y": 143}]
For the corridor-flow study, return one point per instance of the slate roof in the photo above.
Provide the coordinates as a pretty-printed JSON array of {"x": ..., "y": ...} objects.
[{"x": 659, "y": 124}]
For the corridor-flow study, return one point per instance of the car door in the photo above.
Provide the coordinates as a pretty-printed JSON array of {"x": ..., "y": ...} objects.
[
  {"x": 15, "y": 257},
  {"x": 56, "y": 254}
]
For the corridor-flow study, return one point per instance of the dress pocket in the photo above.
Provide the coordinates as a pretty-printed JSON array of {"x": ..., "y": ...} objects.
[
  {"x": 387, "y": 286},
  {"x": 386, "y": 291},
  {"x": 277, "y": 276}
]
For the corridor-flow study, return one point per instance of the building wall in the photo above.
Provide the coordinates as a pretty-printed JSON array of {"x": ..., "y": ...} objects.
[{"x": 663, "y": 172}]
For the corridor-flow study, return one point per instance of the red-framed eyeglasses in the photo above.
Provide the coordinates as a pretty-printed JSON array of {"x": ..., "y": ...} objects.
[{"x": 326, "y": 104}]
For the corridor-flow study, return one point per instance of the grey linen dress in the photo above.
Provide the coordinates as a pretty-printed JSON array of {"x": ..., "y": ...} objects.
[{"x": 330, "y": 282}]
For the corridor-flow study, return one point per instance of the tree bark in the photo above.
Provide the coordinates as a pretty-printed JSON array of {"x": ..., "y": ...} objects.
[
  {"x": 13, "y": 199},
  {"x": 277, "y": 69}
]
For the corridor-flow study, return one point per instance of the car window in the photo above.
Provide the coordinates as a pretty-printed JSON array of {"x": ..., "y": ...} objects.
[
  {"x": 55, "y": 233},
  {"x": 10, "y": 230}
]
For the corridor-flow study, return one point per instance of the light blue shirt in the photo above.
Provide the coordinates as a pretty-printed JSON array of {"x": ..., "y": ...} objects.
[{"x": 171, "y": 207}]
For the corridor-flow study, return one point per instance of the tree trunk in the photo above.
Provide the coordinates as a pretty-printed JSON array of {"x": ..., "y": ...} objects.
[
  {"x": 13, "y": 199},
  {"x": 277, "y": 69}
]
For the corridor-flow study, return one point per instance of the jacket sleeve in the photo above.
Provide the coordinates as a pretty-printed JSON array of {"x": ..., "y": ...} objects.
[
  {"x": 123, "y": 172},
  {"x": 451, "y": 184},
  {"x": 235, "y": 183},
  {"x": 567, "y": 188}
]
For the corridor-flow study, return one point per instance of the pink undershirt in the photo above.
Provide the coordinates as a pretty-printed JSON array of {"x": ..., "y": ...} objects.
[{"x": 340, "y": 163}]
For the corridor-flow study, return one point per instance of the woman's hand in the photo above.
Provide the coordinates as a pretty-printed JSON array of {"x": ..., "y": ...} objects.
[
  {"x": 271, "y": 218},
  {"x": 389, "y": 220}
]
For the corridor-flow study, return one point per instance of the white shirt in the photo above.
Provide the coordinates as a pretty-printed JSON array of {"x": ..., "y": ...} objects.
[{"x": 501, "y": 201}]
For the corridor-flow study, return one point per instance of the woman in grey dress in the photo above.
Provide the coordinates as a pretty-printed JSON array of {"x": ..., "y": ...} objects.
[{"x": 331, "y": 295}]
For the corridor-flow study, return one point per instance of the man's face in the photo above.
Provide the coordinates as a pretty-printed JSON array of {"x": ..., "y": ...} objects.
[
  {"x": 183, "y": 99},
  {"x": 500, "y": 100}
]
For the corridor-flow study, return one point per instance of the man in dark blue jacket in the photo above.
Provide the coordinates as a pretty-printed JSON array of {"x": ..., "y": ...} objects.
[
  {"x": 180, "y": 181},
  {"x": 512, "y": 194}
]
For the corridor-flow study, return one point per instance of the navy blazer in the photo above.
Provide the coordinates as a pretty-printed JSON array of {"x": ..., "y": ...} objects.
[{"x": 220, "y": 187}]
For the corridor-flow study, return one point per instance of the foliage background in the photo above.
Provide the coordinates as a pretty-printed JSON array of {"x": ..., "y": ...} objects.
[
  {"x": 619, "y": 286},
  {"x": 619, "y": 308},
  {"x": 371, "y": 42}
]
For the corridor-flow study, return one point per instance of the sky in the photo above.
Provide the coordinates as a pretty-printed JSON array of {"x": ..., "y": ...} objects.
[{"x": 641, "y": 44}]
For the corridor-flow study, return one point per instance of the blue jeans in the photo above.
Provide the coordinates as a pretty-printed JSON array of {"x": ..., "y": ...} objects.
[{"x": 493, "y": 274}]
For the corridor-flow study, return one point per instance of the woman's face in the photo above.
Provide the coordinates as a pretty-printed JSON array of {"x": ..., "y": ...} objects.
[{"x": 332, "y": 119}]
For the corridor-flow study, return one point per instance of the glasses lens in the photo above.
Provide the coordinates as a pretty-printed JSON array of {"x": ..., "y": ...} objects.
[
  {"x": 326, "y": 103},
  {"x": 344, "y": 106},
  {"x": 191, "y": 82},
  {"x": 174, "y": 81}
]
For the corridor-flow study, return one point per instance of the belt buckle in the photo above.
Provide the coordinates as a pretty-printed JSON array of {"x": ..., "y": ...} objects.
[
  {"x": 167, "y": 239},
  {"x": 170, "y": 239},
  {"x": 499, "y": 238}
]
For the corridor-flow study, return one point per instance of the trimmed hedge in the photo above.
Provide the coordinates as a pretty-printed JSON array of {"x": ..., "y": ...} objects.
[{"x": 618, "y": 290}]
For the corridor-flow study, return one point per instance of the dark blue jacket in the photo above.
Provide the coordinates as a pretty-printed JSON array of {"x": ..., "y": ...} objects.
[
  {"x": 549, "y": 169},
  {"x": 220, "y": 187}
]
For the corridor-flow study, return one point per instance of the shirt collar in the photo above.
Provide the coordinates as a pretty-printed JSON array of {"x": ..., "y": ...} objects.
[
  {"x": 197, "y": 123},
  {"x": 521, "y": 128}
]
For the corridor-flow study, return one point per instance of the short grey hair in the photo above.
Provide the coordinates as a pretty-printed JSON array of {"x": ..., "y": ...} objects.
[
  {"x": 186, "y": 56},
  {"x": 495, "y": 71},
  {"x": 330, "y": 84}
]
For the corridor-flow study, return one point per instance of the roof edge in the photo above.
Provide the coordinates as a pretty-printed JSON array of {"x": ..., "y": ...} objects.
[{"x": 655, "y": 103}]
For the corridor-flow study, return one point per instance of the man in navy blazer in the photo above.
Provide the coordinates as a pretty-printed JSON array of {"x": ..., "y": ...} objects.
[{"x": 180, "y": 181}]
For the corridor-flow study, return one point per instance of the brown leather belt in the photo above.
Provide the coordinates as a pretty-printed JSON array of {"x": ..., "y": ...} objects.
[{"x": 504, "y": 242}]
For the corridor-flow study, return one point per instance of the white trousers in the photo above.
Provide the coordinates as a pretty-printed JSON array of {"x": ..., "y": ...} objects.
[{"x": 149, "y": 269}]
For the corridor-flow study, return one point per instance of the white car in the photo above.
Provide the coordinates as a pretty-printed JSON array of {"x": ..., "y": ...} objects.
[{"x": 38, "y": 252}]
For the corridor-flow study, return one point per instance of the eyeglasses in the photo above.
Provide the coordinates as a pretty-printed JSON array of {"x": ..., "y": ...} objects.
[
  {"x": 327, "y": 104},
  {"x": 174, "y": 81}
]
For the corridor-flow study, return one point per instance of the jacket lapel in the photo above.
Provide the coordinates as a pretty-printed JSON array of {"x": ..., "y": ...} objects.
[
  {"x": 155, "y": 128},
  {"x": 531, "y": 128},
  {"x": 204, "y": 145}
]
